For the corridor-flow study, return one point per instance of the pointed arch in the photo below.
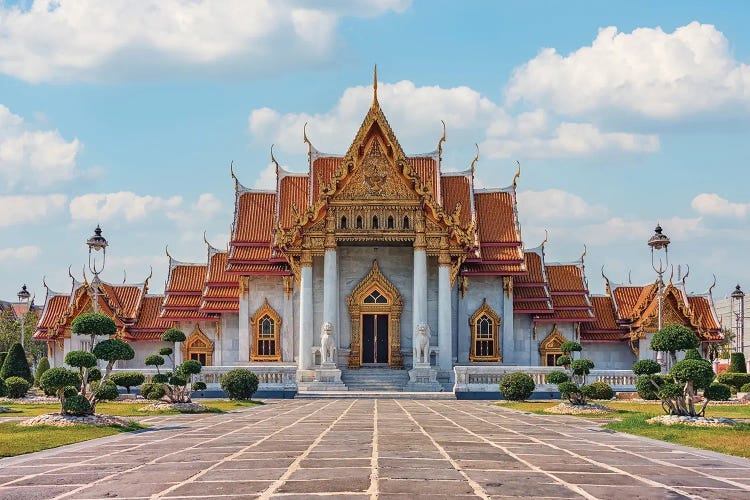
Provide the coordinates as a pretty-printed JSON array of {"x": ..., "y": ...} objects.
[
  {"x": 549, "y": 348},
  {"x": 266, "y": 330},
  {"x": 485, "y": 337},
  {"x": 198, "y": 347}
]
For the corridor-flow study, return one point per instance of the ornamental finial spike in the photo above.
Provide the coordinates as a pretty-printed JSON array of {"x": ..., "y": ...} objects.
[
  {"x": 518, "y": 174},
  {"x": 273, "y": 160},
  {"x": 584, "y": 253},
  {"x": 476, "y": 159},
  {"x": 166, "y": 250},
  {"x": 307, "y": 141},
  {"x": 124, "y": 276},
  {"x": 546, "y": 238},
  {"x": 375, "y": 86},
  {"x": 440, "y": 143}
]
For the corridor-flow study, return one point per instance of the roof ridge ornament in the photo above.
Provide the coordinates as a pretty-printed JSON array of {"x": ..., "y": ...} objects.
[
  {"x": 375, "y": 86},
  {"x": 518, "y": 174},
  {"x": 476, "y": 159},
  {"x": 440, "y": 143},
  {"x": 124, "y": 276},
  {"x": 546, "y": 239},
  {"x": 306, "y": 140},
  {"x": 710, "y": 289},
  {"x": 273, "y": 160},
  {"x": 585, "y": 250}
]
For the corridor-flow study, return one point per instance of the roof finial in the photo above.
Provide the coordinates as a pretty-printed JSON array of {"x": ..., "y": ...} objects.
[
  {"x": 166, "y": 250},
  {"x": 476, "y": 159},
  {"x": 150, "y": 274},
  {"x": 273, "y": 160},
  {"x": 70, "y": 273},
  {"x": 518, "y": 174},
  {"x": 44, "y": 282},
  {"x": 630, "y": 276},
  {"x": 85, "y": 279},
  {"x": 375, "y": 86},
  {"x": 546, "y": 238},
  {"x": 307, "y": 141},
  {"x": 671, "y": 274},
  {"x": 440, "y": 143},
  {"x": 710, "y": 289},
  {"x": 124, "y": 276},
  {"x": 685, "y": 277},
  {"x": 584, "y": 253}
]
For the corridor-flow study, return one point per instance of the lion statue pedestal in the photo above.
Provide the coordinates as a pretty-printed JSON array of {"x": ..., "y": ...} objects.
[
  {"x": 422, "y": 378},
  {"x": 327, "y": 376}
]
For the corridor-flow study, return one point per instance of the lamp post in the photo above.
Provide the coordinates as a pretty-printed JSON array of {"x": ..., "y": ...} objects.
[
  {"x": 23, "y": 296},
  {"x": 658, "y": 242},
  {"x": 738, "y": 298},
  {"x": 96, "y": 243}
]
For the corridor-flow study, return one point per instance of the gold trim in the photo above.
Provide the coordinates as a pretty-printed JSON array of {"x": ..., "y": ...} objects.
[
  {"x": 262, "y": 311},
  {"x": 551, "y": 344},
  {"x": 198, "y": 343},
  {"x": 483, "y": 310}
]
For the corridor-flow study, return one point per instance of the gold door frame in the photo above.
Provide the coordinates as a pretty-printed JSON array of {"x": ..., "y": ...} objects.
[
  {"x": 378, "y": 310},
  {"x": 357, "y": 308}
]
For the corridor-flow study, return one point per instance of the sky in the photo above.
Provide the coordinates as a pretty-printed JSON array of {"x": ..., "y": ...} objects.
[{"x": 128, "y": 114}]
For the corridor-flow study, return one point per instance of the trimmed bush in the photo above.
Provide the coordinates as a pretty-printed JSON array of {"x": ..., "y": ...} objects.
[
  {"x": 673, "y": 338},
  {"x": 127, "y": 379},
  {"x": 669, "y": 390},
  {"x": 165, "y": 351},
  {"x": 581, "y": 367},
  {"x": 240, "y": 383},
  {"x": 77, "y": 405},
  {"x": 57, "y": 380},
  {"x": 570, "y": 346},
  {"x": 556, "y": 377},
  {"x": 95, "y": 374},
  {"x": 646, "y": 389},
  {"x": 189, "y": 367},
  {"x": 517, "y": 386},
  {"x": 106, "y": 392},
  {"x": 178, "y": 379},
  {"x": 112, "y": 350},
  {"x": 41, "y": 367},
  {"x": 745, "y": 388},
  {"x": 152, "y": 391},
  {"x": 160, "y": 378},
  {"x": 80, "y": 359},
  {"x": 646, "y": 367},
  {"x": 173, "y": 335},
  {"x": 93, "y": 324},
  {"x": 568, "y": 388},
  {"x": 199, "y": 386},
  {"x": 699, "y": 372},
  {"x": 154, "y": 360},
  {"x": 736, "y": 380},
  {"x": 70, "y": 391},
  {"x": 3, "y": 389},
  {"x": 16, "y": 365},
  {"x": 737, "y": 363},
  {"x": 693, "y": 354},
  {"x": 717, "y": 392},
  {"x": 601, "y": 390},
  {"x": 563, "y": 360},
  {"x": 17, "y": 387}
]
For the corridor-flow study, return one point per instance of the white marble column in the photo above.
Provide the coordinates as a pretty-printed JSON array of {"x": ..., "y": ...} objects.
[
  {"x": 331, "y": 291},
  {"x": 445, "y": 342},
  {"x": 419, "y": 295},
  {"x": 243, "y": 356},
  {"x": 506, "y": 340},
  {"x": 287, "y": 327},
  {"x": 306, "y": 316}
]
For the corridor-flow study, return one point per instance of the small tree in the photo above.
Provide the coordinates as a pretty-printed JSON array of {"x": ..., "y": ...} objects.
[
  {"x": 16, "y": 364},
  {"x": 673, "y": 338},
  {"x": 239, "y": 383},
  {"x": 128, "y": 379},
  {"x": 572, "y": 384},
  {"x": 737, "y": 363},
  {"x": 56, "y": 380},
  {"x": 112, "y": 351},
  {"x": 173, "y": 335},
  {"x": 517, "y": 386},
  {"x": 41, "y": 367},
  {"x": 93, "y": 325}
]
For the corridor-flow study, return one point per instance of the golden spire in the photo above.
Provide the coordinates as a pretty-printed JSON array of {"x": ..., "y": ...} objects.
[
  {"x": 440, "y": 143},
  {"x": 518, "y": 174},
  {"x": 476, "y": 159},
  {"x": 375, "y": 86}
]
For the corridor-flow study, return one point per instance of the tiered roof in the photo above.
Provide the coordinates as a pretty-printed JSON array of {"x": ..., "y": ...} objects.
[
  {"x": 183, "y": 293},
  {"x": 221, "y": 292}
]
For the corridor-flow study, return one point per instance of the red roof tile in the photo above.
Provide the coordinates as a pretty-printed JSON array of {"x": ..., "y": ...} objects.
[
  {"x": 148, "y": 319},
  {"x": 221, "y": 292},
  {"x": 565, "y": 278},
  {"x": 536, "y": 306},
  {"x": 217, "y": 270},
  {"x": 496, "y": 219},
  {"x": 530, "y": 292},
  {"x": 251, "y": 254},
  {"x": 182, "y": 301},
  {"x": 220, "y": 306},
  {"x": 625, "y": 299},
  {"x": 426, "y": 168},
  {"x": 534, "y": 267},
  {"x": 293, "y": 193},
  {"x": 254, "y": 220},
  {"x": 570, "y": 302},
  {"x": 323, "y": 168},
  {"x": 54, "y": 309},
  {"x": 501, "y": 254},
  {"x": 187, "y": 278},
  {"x": 701, "y": 308},
  {"x": 604, "y": 312},
  {"x": 477, "y": 268},
  {"x": 457, "y": 189},
  {"x": 260, "y": 269}
]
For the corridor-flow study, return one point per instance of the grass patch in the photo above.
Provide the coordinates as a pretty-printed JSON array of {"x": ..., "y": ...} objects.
[
  {"x": 123, "y": 409},
  {"x": 627, "y": 408},
  {"x": 17, "y": 440}
]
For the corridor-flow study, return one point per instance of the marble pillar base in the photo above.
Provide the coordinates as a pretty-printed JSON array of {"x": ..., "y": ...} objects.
[
  {"x": 327, "y": 378},
  {"x": 423, "y": 378}
]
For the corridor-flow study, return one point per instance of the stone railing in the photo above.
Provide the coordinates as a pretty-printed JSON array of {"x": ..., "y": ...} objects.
[
  {"x": 475, "y": 378},
  {"x": 271, "y": 377}
]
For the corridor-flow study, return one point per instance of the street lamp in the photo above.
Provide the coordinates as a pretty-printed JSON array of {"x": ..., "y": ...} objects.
[
  {"x": 738, "y": 297},
  {"x": 658, "y": 242},
  {"x": 23, "y": 297},
  {"x": 96, "y": 243}
]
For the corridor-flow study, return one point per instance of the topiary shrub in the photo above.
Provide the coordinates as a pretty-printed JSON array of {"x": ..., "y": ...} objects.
[
  {"x": 517, "y": 386},
  {"x": 556, "y": 377},
  {"x": 112, "y": 351},
  {"x": 17, "y": 387},
  {"x": 693, "y": 354},
  {"x": 3, "y": 389},
  {"x": 600, "y": 390},
  {"x": 673, "y": 338},
  {"x": 581, "y": 368},
  {"x": 570, "y": 347},
  {"x": 717, "y": 392},
  {"x": 16, "y": 364},
  {"x": 745, "y": 388},
  {"x": 563, "y": 361},
  {"x": 3, "y": 355},
  {"x": 160, "y": 378},
  {"x": 41, "y": 367},
  {"x": 93, "y": 325},
  {"x": 199, "y": 386},
  {"x": 646, "y": 388},
  {"x": 240, "y": 383},
  {"x": 153, "y": 391},
  {"x": 77, "y": 405},
  {"x": 106, "y": 392},
  {"x": 58, "y": 380},
  {"x": 571, "y": 392},
  {"x": 737, "y": 363},
  {"x": 127, "y": 379},
  {"x": 736, "y": 380},
  {"x": 172, "y": 335},
  {"x": 95, "y": 374},
  {"x": 70, "y": 391}
]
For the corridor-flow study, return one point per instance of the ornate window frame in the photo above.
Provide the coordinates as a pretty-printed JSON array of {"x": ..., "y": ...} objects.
[
  {"x": 256, "y": 323},
  {"x": 550, "y": 346},
  {"x": 198, "y": 343},
  {"x": 485, "y": 313}
]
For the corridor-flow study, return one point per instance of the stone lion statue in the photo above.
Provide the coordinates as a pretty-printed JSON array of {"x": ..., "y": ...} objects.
[
  {"x": 422, "y": 344},
  {"x": 327, "y": 344}
]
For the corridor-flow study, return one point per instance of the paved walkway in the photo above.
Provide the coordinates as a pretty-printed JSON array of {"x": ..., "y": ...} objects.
[{"x": 374, "y": 449}]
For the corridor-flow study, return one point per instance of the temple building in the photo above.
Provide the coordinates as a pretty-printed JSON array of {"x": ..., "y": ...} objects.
[{"x": 376, "y": 242}]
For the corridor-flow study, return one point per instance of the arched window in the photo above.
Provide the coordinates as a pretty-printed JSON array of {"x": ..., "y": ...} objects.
[
  {"x": 375, "y": 297},
  {"x": 359, "y": 222},
  {"x": 266, "y": 325},
  {"x": 390, "y": 222},
  {"x": 375, "y": 222},
  {"x": 549, "y": 348},
  {"x": 485, "y": 341},
  {"x": 343, "y": 222},
  {"x": 198, "y": 347},
  {"x": 406, "y": 222}
]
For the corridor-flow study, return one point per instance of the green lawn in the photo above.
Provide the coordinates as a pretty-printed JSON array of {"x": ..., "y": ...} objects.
[
  {"x": 122, "y": 409},
  {"x": 631, "y": 418},
  {"x": 17, "y": 440}
]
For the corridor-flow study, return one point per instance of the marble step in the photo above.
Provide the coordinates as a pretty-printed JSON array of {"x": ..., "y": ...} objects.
[{"x": 375, "y": 395}]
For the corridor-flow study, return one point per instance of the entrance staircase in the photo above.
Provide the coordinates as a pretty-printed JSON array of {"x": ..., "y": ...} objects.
[{"x": 368, "y": 383}]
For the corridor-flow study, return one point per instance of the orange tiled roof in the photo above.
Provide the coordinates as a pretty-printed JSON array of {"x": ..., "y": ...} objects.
[
  {"x": 217, "y": 269},
  {"x": 478, "y": 268},
  {"x": 148, "y": 319},
  {"x": 569, "y": 302},
  {"x": 496, "y": 218},
  {"x": 124, "y": 298},
  {"x": 221, "y": 292},
  {"x": 251, "y": 254},
  {"x": 625, "y": 299},
  {"x": 701, "y": 308},
  {"x": 260, "y": 269},
  {"x": 187, "y": 278},
  {"x": 528, "y": 306},
  {"x": 579, "y": 315},
  {"x": 426, "y": 168},
  {"x": 323, "y": 167},
  {"x": 456, "y": 189},
  {"x": 221, "y": 306},
  {"x": 54, "y": 309},
  {"x": 565, "y": 278},
  {"x": 254, "y": 217},
  {"x": 604, "y": 312},
  {"x": 186, "y": 315},
  {"x": 530, "y": 292},
  {"x": 182, "y": 301},
  {"x": 534, "y": 267},
  {"x": 293, "y": 192},
  {"x": 599, "y": 336},
  {"x": 504, "y": 253}
]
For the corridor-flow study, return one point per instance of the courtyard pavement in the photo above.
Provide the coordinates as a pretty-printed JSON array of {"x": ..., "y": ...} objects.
[{"x": 374, "y": 449}]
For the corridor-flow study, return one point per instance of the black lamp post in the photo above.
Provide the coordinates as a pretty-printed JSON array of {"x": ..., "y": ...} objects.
[
  {"x": 23, "y": 297},
  {"x": 96, "y": 244},
  {"x": 738, "y": 298},
  {"x": 659, "y": 241}
]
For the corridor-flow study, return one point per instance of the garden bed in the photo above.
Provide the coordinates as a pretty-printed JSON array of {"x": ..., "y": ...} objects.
[
  {"x": 691, "y": 421},
  {"x": 59, "y": 420},
  {"x": 181, "y": 407},
  {"x": 587, "y": 409}
]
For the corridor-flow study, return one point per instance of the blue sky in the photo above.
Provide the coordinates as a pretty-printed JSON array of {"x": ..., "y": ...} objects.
[{"x": 128, "y": 114}]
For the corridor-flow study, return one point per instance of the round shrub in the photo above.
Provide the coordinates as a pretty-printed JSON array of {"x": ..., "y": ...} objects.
[
  {"x": 600, "y": 390},
  {"x": 178, "y": 379},
  {"x": 735, "y": 380},
  {"x": 57, "y": 379},
  {"x": 693, "y": 354},
  {"x": 674, "y": 338},
  {"x": 154, "y": 360},
  {"x": 106, "y": 392},
  {"x": 77, "y": 405},
  {"x": 3, "y": 389},
  {"x": 646, "y": 367},
  {"x": 113, "y": 350},
  {"x": 190, "y": 367},
  {"x": 199, "y": 386},
  {"x": 95, "y": 374},
  {"x": 239, "y": 383},
  {"x": 556, "y": 377},
  {"x": 173, "y": 335},
  {"x": 160, "y": 378},
  {"x": 563, "y": 360},
  {"x": 153, "y": 391},
  {"x": 568, "y": 388},
  {"x": 70, "y": 391},
  {"x": 588, "y": 392},
  {"x": 700, "y": 372},
  {"x": 570, "y": 346},
  {"x": 646, "y": 389},
  {"x": 17, "y": 387},
  {"x": 16, "y": 364},
  {"x": 670, "y": 391},
  {"x": 745, "y": 388},
  {"x": 91, "y": 324},
  {"x": 127, "y": 379},
  {"x": 517, "y": 386},
  {"x": 717, "y": 392},
  {"x": 737, "y": 363},
  {"x": 41, "y": 367},
  {"x": 581, "y": 366},
  {"x": 80, "y": 359},
  {"x": 165, "y": 351}
]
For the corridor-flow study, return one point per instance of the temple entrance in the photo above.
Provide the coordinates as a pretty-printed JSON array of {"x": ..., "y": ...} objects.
[
  {"x": 375, "y": 339},
  {"x": 375, "y": 309}
]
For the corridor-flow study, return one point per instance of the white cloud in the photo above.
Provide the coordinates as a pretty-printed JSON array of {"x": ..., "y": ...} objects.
[
  {"x": 621, "y": 229},
  {"x": 29, "y": 208},
  {"x": 33, "y": 158},
  {"x": 267, "y": 178},
  {"x": 24, "y": 254},
  {"x": 648, "y": 72},
  {"x": 93, "y": 40},
  {"x": 124, "y": 204},
  {"x": 713, "y": 204},
  {"x": 206, "y": 207},
  {"x": 556, "y": 204}
]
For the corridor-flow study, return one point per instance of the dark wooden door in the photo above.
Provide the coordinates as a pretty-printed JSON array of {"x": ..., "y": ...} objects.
[{"x": 381, "y": 331}]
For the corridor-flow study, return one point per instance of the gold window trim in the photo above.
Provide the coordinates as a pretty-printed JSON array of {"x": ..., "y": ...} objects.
[
  {"x": 198, "y": 343},
  {"x": 357, "y": 308},
  {"x": 263, "y": 310},
  {"x": 551, "y": 344},
  {"x": 483, "y": 310}
]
